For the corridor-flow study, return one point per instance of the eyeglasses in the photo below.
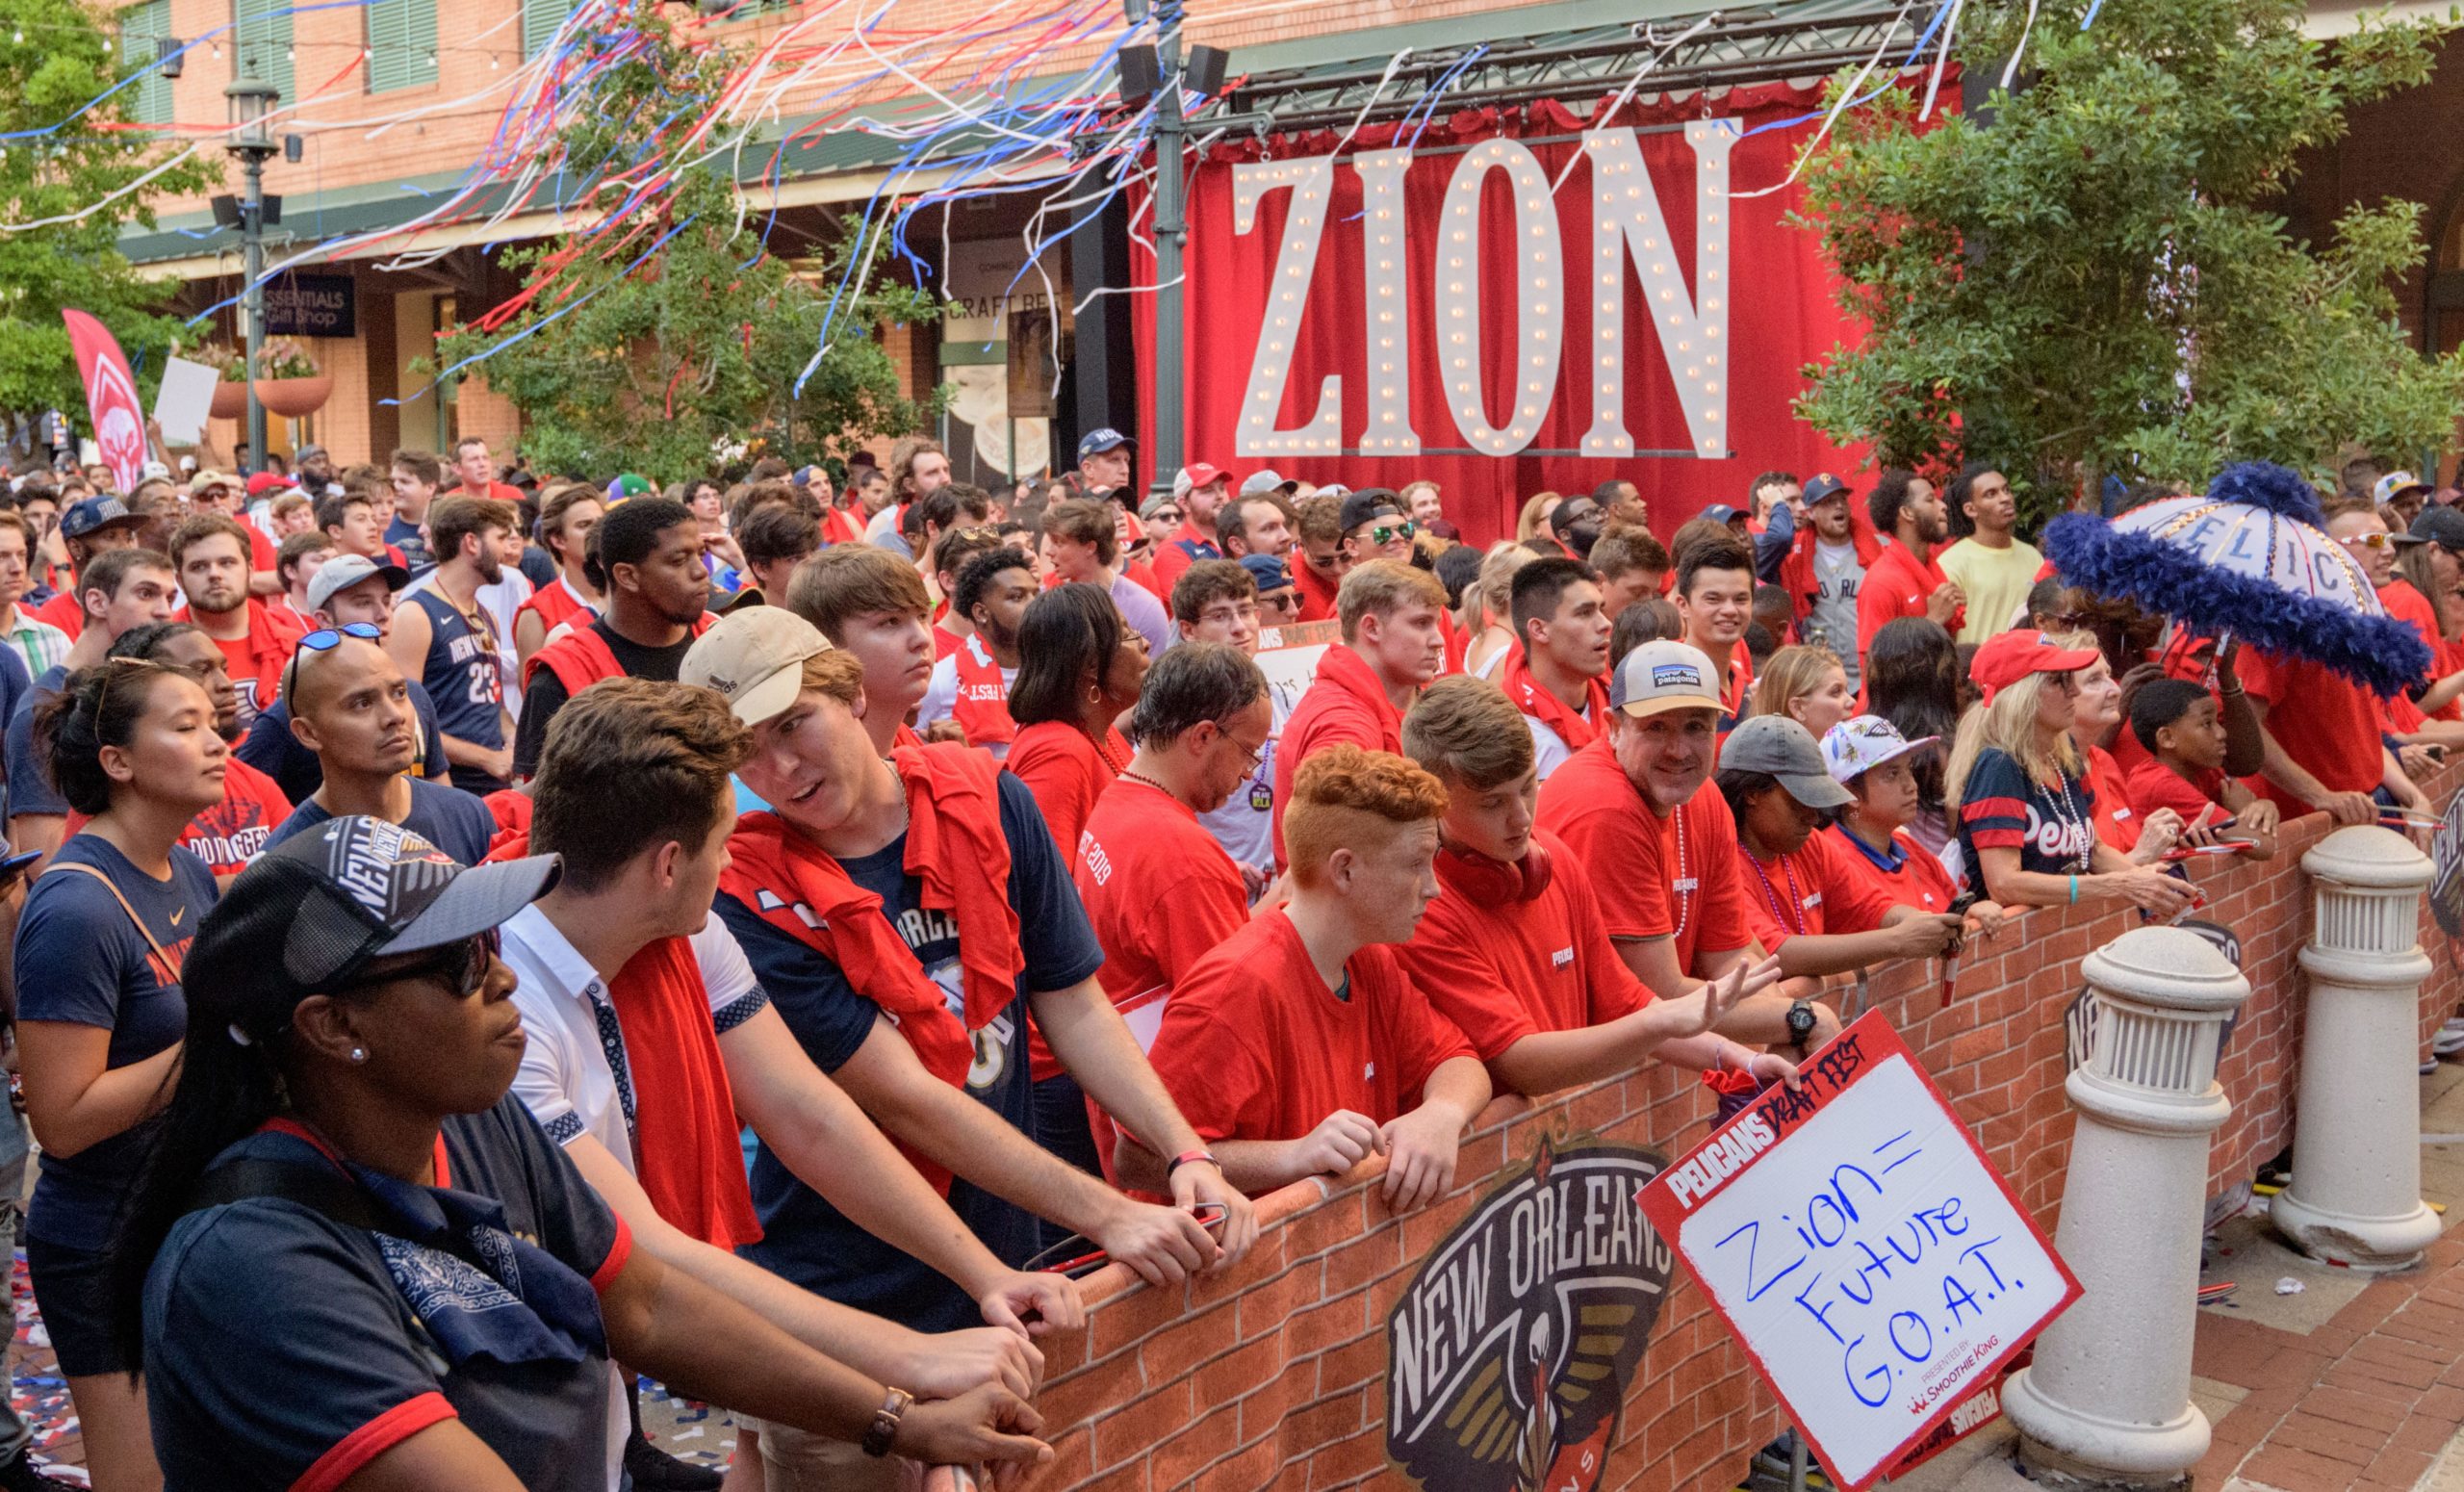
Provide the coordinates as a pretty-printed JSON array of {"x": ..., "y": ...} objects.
[
  {"x": 462, "y": 967},
  {"x": 1388, "y": 533},
  {"x": 2066, "y": 620},
  {"x": 325, "y": 638},
  {"x": 1256, "y": 755}
]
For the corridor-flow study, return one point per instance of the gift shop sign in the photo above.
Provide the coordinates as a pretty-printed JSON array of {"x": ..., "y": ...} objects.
[{"x": 1872, "y": 1263}]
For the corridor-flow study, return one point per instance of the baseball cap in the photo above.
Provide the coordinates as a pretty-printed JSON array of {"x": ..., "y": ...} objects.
[
  {"x": 1368, "y": 503},
  {"x": 83, "y": 518},
  {"x": 1266, "y": 480},
  {"x": 1270, "y": 571},
  {"x": 1855, "y": 747},
  {"x": 1823, "y": 488},
  {"x": 2010, "y": 656},
  {"x": 153, "y": 470},
  {"x": 210, "y": 478},
  {"x": 1721, "y": 513},
  {"x": 1193, "y": 477},
  {"x": 629, "y": 485},
  {"x": 2439, "y": 525},
  {"x": 1662, "y": 675},
  {"x": 347, "y": 570},
  {"x": 1157, "y": 504},
  {"x": 1098, "y": 441},
  {"x": 306, "y": 452},
  {"x": 2395, "y": 484},
  {"x": 1781, "y": 747},
  {"x": 755, "y": 658},
  {"x": 311, "y": 913},
  {"x": 264, "y": 482}
]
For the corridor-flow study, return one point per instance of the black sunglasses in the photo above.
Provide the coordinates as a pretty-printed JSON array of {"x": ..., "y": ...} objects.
[{"x": 461, "y": 967}]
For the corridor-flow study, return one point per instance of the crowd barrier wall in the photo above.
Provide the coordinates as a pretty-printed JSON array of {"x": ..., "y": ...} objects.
[{"x": 1274, "y": 1376}]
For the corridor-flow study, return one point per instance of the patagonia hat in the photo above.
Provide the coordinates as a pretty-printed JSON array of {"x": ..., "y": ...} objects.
[
  {"x": 1266, "y": 479},
  {"x": 2010, "y": 657},
  {"x": 310, "y": 913},
  {"x": 1096, "y": 442},
  {"x": 1785, "y": 749},
  {"x": 1823, "y": 488},
  {"x": 347, "y": 570},
  {"x": 1662, "y": 675},
  {"x": 1855, "y": 747},
  {"x": 755, "y": 656}
]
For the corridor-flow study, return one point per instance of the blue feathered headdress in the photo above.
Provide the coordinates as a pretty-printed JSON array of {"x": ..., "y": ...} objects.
[{"x": 2380, "y": 652}]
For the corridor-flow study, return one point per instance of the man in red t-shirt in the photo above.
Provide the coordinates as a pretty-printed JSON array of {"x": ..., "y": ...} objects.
[
  {"x": 1715, "y": 598},
  {"x": 1300, "y": 1045},
  {"x": 1513, "y": 950},
  {"x": 1393, "y": 643},
  {"x": 1200, "y": 489},
  {"x": 210, "y": 554},
  {"x": 1637, "y": 807},
  {"x": 1904, "y": 580},
  {"x": 2324, "y": 749}
]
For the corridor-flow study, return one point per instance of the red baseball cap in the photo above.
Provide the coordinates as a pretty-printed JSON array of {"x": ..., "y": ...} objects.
[
  {"x": 266, "y": 481},
  {"x": 1195, "y": 475},
  {"x": 2010, "y": 657}
]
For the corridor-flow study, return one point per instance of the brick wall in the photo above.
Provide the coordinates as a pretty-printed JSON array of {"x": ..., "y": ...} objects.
[{"x": 1274, "y": 1376}]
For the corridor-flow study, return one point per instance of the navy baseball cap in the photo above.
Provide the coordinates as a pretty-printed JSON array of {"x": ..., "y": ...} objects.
[
  {"x": 1096, "y": 442},
  {"x": 1270, "y": 571},
  {"x": 1823, "y": 488},
  {"x": 1722, "y": 513},
  {"x": 83, "y": 518}
]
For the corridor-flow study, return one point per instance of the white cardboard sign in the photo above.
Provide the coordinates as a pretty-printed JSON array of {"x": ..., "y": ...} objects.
[{"x": 1871, "y": 1263}]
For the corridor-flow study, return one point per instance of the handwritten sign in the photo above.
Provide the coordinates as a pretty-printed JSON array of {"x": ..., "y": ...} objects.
[
  {"x": 1289, "y": 658},
  {"x": 1870, "y": 1262}
]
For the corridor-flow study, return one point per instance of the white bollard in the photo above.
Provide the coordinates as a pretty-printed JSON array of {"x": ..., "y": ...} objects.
[
  {"x": 2356, "y": 1199},
  {"x": 2107, "y": 1402}
]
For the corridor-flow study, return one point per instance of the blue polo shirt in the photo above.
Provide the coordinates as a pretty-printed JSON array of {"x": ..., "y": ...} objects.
[
  {"x": 806, "y": 1240},
  {"x": 280, "y": 1351}
]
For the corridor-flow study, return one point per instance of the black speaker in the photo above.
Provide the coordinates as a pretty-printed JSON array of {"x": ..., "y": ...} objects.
[
  {"x": 272, "y": 211},
  {"x": 169, "y": 52},
  {"x": 1139, "y": 76},
  {"x": 1205, "y": 72},
  {"x": 226, "y": 210},
  {"x": 294, "y": 147}
]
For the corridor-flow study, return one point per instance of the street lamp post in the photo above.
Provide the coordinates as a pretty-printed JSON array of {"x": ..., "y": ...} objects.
[
  {"x": 251, "y": 104},
  {"x": 1170, "y": 228}
]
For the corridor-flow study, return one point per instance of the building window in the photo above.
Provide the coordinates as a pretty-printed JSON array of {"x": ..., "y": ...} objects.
[
  {"x": 261, "y": 29},
  {"x": 401, "y": 45},
  {"x": 540, "y": 19},
  {"x": 142, "y": 28}
]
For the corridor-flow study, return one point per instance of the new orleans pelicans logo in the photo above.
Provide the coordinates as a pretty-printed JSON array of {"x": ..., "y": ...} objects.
[{"x": 1513, "y": 1349}]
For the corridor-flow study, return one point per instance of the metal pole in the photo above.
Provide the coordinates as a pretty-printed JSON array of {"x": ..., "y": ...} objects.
[
  {"x": 1170, "y": 228},
  {"x": 253, "y": 307}
]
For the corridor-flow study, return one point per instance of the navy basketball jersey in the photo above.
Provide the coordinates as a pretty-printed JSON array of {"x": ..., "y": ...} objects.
[{"x": 461, "y": 672}]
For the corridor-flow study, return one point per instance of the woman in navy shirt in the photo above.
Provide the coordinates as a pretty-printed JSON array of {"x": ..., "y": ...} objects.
[
  {"x": 130, "y": 743},
  {"x": 355, "y": 1261}
]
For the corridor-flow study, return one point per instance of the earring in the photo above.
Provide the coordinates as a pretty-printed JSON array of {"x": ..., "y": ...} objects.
[
  {"x": 1095, "y": 694},
  {"x": 359, "y": 1054}
]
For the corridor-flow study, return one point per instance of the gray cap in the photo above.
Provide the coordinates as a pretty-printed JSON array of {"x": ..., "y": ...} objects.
[
  {"x": 347, "y": 570},
  {"x": 1785, "y": 750},
  {"x": 1266, "y": 480}
]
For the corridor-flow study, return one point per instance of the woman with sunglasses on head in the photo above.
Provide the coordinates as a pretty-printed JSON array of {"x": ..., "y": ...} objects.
[
  {"x": 350, "y": 706},
  {"x": 435, "y": 1293},
  {"x": 132, "y": 745},
  {"x": 2018, "y": 787}
]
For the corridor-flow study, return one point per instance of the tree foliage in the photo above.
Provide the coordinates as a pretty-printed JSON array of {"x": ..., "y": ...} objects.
[
  {"x": 55, "y": 56},
  {"x": 642, "y": 355},
  {"x": 2095, "y": 281}
]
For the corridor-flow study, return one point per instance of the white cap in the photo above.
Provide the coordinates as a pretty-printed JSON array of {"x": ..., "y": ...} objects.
[{"x": 1853, "y": 748}]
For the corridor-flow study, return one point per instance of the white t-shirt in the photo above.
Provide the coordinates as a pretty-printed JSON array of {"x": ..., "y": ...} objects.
[
  {"x": 1549, "y": 749},
  {"x": 941, "y": 698},
  {"x": 1837, "y": 576}
]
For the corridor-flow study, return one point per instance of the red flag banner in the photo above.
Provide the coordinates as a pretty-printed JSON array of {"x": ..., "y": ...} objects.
[
  {"x": 110, "y": 398},
  {"x": 1508, "y": 301}
]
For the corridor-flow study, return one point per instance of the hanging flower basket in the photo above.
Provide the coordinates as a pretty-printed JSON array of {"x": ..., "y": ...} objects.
[
  {"x": 230, "y": 400},
  {"x": 292, "y": 397}
]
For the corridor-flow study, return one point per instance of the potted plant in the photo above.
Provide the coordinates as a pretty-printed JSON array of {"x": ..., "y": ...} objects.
[
  {"x": 231, "y": 394},
  {"x": 288, "y": 381}
]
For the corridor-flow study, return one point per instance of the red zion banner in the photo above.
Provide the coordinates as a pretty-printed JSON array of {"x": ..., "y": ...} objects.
[
  {"x": 1510, "y": 302},
  {"x": 110, "y": 398}
]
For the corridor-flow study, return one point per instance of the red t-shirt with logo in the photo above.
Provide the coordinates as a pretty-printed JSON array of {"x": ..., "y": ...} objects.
[
  {"x": 2327, "y": 724},
  {"x": 1501, "y": 969},
  {"x": 232, "y": 832},
  {"x": 1809, "y": 893},
  {"x": 2118, "y": 821},
  {"x": 1159, "y": 892},
  {"x": 1256, "y": 1046},
  {"x": 1675, "y": 877},
  {"x": 1916, "y": 879}
]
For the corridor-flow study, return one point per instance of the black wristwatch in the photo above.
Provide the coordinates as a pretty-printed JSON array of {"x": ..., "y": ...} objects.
[{"x": 1800, "y": 1025}]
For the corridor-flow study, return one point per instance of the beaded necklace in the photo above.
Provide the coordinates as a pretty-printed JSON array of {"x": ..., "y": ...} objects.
[
  {"x": 1792, "y": 916},
  {"x": 1683, "y": 887}
]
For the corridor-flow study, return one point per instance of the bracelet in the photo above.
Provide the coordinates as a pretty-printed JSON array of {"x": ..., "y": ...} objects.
[
  {"x": 885, "y": 1425},
  {"x": 2074, "y": 890},
  {"x": 1186, "y": 1157}
]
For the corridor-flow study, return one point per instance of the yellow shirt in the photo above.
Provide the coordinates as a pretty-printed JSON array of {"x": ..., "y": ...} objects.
[{"x": 1996, "y": 581}]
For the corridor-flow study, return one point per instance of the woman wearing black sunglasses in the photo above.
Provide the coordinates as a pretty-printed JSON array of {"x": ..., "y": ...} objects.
[
  {"x": 355, "y": 1261},
  {"x": 131, "y": 744}
]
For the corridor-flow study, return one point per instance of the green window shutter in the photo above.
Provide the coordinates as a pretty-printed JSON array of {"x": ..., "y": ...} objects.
[
  {"x": 140, "y": 28},
  {"x": 263, "y": 30},
  {"x": 540, "y": 19},
  {"x": 401, "y": 45}
]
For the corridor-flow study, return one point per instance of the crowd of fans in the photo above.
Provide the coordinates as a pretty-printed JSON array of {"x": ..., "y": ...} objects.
[{"x": 394, "y": 1081}]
